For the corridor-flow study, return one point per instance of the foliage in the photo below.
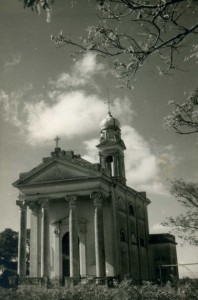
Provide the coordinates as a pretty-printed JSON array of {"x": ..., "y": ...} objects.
[
  {"x": 125, "y": 291},
  {"x": 8, "y": 248},
  {"x": 37, "y": 5},
  {"x": 186, "y": 225},
  {"x": 9, "y": 254},
  {"x": 184, "y": 117},
  {"x": 130, "y": 32}
]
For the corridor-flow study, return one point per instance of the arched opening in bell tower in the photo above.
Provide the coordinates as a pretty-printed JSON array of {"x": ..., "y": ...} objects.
[{"x": 110, "y": 165}]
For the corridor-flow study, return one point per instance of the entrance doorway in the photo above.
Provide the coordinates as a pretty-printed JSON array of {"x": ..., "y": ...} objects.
[{"x": 65, "y": 255}]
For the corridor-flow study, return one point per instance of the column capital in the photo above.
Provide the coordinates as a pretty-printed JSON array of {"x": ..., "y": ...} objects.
[
  {"x": 21, "y": 197},
  {"x": 72, "y": 199},
  {"x": 97, "y": 198},
  {"x": 21, "y": 204},
  {"x": 34, "y": 206},
  {"x": 44, "y": 203}
]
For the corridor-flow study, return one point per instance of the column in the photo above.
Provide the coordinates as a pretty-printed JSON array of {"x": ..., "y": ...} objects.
[
  {"x": 116, "y": 236},
  {"x": 99, "y": 235},
  {"x": 57, "y": 262},
  {"x": 45, "y": 240},
  {"x": 82, "y": 250},
  {"x": 22, "y": 239},
  {"x": 35, "y": 239},
  {"x": 73, "y": 237}
]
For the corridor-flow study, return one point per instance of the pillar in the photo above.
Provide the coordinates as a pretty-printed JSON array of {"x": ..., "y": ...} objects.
[
  {"x": 73, "y": 237},
  {"x": 45, "y": 240},
  {"x": 35, "y": 239},
  {"x": 82, "y": 250},
  {"x": 116, "y": 235},
  {"x": 22, "y": 238},
  {"x": 99, "y": 235},
  {"x": 57, "y": 261}
]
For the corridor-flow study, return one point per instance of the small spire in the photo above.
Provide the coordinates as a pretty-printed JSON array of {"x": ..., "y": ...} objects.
[
  {"x": 108, "y": 102},
  {"x": 57, "y": 139}
]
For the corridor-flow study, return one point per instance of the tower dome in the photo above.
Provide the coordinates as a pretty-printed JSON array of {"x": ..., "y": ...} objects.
[
  {"x": 109, "y": 122},
  {"x": 111, "y": 148}
]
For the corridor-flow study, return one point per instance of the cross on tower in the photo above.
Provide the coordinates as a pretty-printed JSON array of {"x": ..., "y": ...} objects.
[
  {"x": 108, "y": 102},
  {"x": 57, "y": 139}
]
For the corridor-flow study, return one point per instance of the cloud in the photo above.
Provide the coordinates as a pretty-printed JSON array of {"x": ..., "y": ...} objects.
[
  {"x": 73, "y": 114},
  {"x": 15, "y": 60},
  {"x": 81, "y": 74},
  {"x": 91, "y": 150},
  {"x": 143, "y": 167},
  {"x": 142, "y": 164},
  {"x": 11, "y": 106},
  {"x": 159, "y": 228}
]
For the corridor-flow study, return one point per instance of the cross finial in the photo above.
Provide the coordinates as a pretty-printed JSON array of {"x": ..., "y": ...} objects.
[
  {"x": 108, "y": 102},
  {"x": 57, "y": 139}
]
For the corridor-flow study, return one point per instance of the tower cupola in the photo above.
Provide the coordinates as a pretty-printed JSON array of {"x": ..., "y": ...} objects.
[
  {"x": 109, "y": 122},
  {"x": 111, "y": 148}
]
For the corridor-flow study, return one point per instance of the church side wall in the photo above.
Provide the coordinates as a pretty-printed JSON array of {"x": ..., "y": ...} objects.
[
  {"x": 109, "y": 239},
  {"x": 133, "y": 221},
  {"x": 142, "y": 223}
]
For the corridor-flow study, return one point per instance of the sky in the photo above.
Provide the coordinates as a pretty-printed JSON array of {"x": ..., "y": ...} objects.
[{"x": 45, "y": 92}]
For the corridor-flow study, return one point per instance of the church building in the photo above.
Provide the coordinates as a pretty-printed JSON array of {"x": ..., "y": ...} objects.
[{"x": 85, "y": 222}]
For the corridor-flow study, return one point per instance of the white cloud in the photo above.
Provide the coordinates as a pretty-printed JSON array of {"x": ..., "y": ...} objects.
[
  {"x": 10, "y": 107},
  {"x": 159, "y": 228},
  {"x": 15, "y": 60},
  {"x": 74, "y": 114},
  {"x": 81, "y": 74},
  {"x": 91, "y": 150},
  {"x": 142, "y": 165}
]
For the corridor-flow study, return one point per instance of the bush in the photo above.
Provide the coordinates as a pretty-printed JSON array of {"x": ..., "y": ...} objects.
[{"x": 126, "y": 290}]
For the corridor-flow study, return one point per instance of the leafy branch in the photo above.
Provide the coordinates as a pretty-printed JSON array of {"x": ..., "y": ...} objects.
[
  {"x": 185, "y": 225},
  {"x": 130, "y": 32},
  {"x": 184, "y": 116}
]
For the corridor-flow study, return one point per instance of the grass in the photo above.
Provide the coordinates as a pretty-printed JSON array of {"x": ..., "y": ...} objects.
[{"x": 124, "y": 291}]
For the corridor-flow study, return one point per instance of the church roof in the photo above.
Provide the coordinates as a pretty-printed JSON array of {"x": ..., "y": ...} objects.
[{"x": 66, "y": 159}]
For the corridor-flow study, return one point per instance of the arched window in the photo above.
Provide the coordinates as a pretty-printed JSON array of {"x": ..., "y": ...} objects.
[
  {"x": 123, "y": 235},
  {"x": 131, "y": 209},
  {"x": 121, "y": 204}
]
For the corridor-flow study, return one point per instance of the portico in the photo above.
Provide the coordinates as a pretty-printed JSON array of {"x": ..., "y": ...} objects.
[{"x": 47, "y": 260}]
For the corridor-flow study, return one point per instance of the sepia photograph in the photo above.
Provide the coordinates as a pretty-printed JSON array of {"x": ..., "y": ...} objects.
[{"x": 98, "y": 149}]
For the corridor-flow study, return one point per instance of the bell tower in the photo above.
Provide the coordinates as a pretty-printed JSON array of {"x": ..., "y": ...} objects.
[{"x": 111, "y": 148}]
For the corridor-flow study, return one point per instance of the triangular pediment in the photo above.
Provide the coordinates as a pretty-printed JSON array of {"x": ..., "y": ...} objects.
[{"x": 56, "y": 171}]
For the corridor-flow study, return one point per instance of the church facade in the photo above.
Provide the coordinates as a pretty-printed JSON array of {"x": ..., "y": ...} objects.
[{"x": 86, "y": 222}]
